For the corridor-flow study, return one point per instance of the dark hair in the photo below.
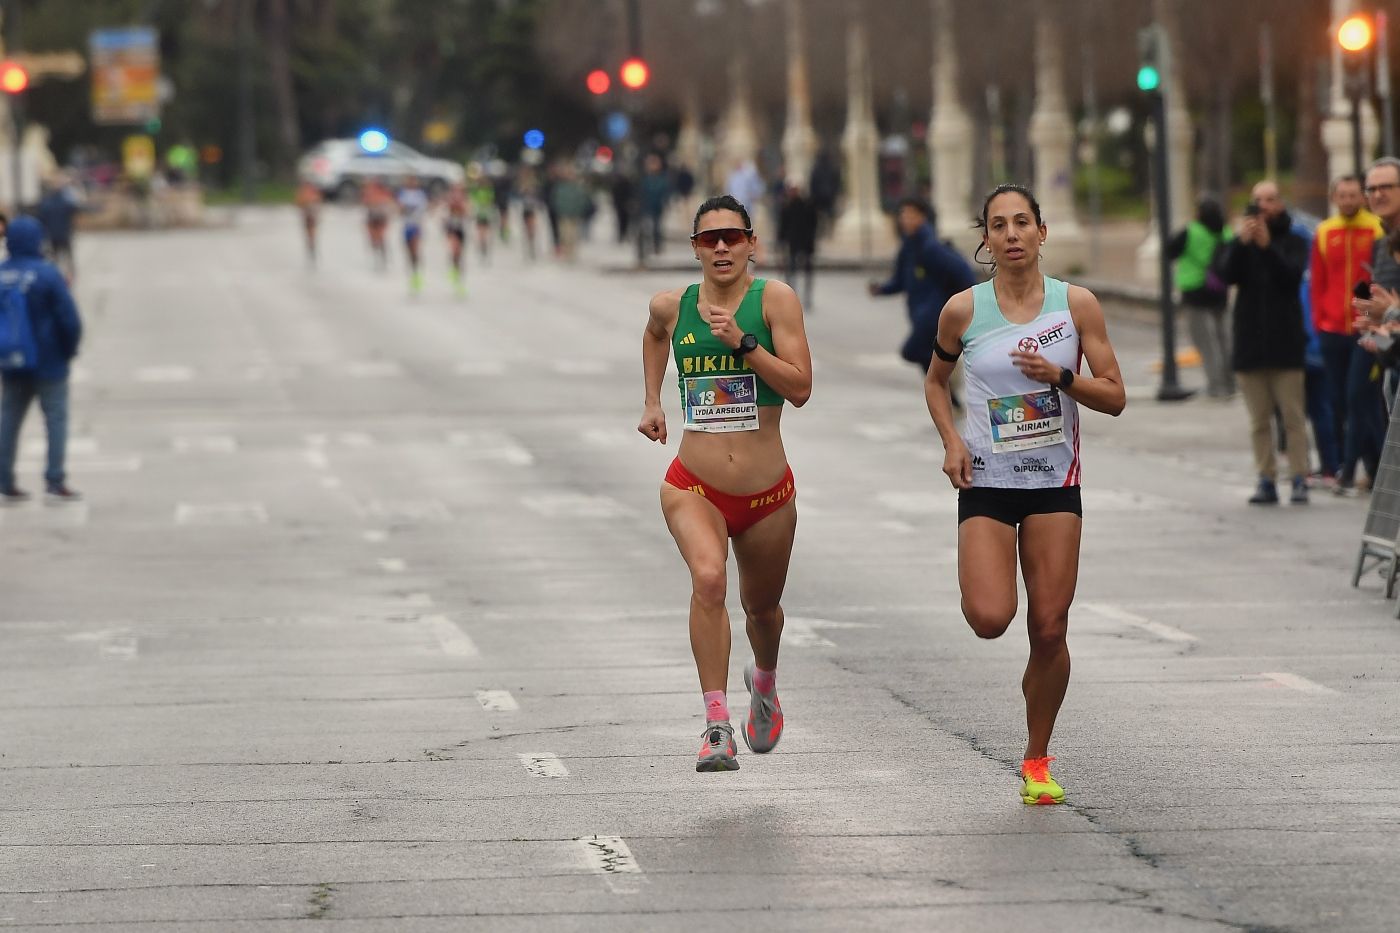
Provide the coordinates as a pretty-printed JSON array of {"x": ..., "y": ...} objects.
[
  {"x": 918, "y": 204},
  {"x": 981, "y": 222},
  {"x": 722, "y": 202},
  {"x": 1348, "y": 178},
  {"x": 1210, "y": 215}
]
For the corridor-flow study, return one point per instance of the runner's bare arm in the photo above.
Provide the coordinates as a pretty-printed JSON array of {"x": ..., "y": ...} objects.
[
  {"x": 788, "y": 369},
  {"x": 953, "y": 322},
  {"x": 1104, "y": 391},
  {"x": 656, "y": 347}
]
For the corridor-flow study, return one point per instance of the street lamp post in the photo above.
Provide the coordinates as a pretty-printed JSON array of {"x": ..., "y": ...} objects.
[{"x": 1356, "y": 35}]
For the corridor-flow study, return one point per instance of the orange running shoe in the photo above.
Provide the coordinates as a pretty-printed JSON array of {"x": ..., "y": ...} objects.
[{"x": 1037, "y": 786}]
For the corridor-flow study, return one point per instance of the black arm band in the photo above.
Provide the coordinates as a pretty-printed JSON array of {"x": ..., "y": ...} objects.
[{"x": 943, "y": 354}]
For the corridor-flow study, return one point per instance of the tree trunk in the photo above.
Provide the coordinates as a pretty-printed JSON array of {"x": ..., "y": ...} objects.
[
  {"x": 1309, "y": 160},
  {"x": 279, "y": 60}
]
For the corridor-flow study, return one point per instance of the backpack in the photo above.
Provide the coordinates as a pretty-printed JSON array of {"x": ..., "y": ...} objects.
[
  {"x": 19, "y": 351},
  {"x": 1215, "y": 271}
]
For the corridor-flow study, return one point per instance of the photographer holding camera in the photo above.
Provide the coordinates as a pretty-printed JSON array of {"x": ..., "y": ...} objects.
[{"x": 1266, "y": 261}]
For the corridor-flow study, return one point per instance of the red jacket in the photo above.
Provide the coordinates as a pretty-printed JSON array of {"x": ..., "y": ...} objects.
[{"x": 1341, "y": 257}]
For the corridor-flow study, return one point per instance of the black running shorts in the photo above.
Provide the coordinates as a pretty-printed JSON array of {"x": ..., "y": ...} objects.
[{"x": 1011, "y": 506}]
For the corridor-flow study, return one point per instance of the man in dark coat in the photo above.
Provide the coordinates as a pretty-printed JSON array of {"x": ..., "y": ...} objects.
[
  {"x": 1267, "y": 262},
  {"x": 797, "y": 232}
]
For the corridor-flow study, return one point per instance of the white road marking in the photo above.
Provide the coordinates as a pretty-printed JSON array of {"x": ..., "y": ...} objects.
[
  {"x": 117, "y": 643},
  {"x": 942, "y": 502},
  {"x": 221, "y": 513},
  {"x": 574, "y": 505},
  {"x": 418, "y": 600},
  {"x": 801, "y": 631},
  {"x": 77, "y": 447},
  {"x": 317, "y": 459},
  {"x": 61, "y": 515},
  {"x": 95, "y": 465},
  {"x": 1159, "y": 629},
  {"x": 885, "y": 432},
  {"x": 607, "y": 437},
  {"x": 895, "y": 525},
  {"x": 393, "y": 564},
  {"x": 418, "y": 510},
  {"x": 1295, "y": 682},
  {"x": 375, "y": 536},
  {"x": 609, "y": 856},
  {"x": 492, "y": 445},
  {"x": 164, "y": 374},
  {"x": 544, "y": 764},
  {"x": 582, "y": 367},
  {"x": 452, "y": 639},
  {"x": 331, "y": 482},
  {"x": 373, "y": 369},
  {"x": 205, "y": 444},
  {"x": 496, "y": 701},
  {"x": 481, "y": 368}
]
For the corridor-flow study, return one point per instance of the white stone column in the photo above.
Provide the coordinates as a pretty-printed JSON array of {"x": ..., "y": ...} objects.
[
  {"x": 799, "y": 139},
  {"x": 861, "y": 229},
  {"x": 738, "y": 136},
  {"x": 689, "y": 152},
  {"x": 1336, "y": 128},
  {"x": 949, "y": 135},
  {"x": 1180, "y": 146},
  {"x": 1052, "y": 135}
]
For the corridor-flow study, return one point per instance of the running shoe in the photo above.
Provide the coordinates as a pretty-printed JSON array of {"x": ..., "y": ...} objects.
[
  {"x": 1037, "y": 786},
  {"x": 765, "y": 725},
  {"x": 717, "y": 751},
  {"x": 13, "y": 496}
]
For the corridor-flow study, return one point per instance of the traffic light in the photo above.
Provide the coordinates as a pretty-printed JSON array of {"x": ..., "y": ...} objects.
[
  {"x": 635, "y": 74},
  {"x": 1152, "y": 48},
  {"x": 13, "y": 77},
  {"x": 1355, "y": 34},
  {"x": 598, "y": 82}
]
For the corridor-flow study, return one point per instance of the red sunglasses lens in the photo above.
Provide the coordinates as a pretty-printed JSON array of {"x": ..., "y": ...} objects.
[{"x": 731, "y": 236}]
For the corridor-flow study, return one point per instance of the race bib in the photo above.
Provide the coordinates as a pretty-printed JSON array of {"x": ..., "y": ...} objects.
[
  {"x": 1021, "y": 422},
  {"x": 721, "y": 403}
]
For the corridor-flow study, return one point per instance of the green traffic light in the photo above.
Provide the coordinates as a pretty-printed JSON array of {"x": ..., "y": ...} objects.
[{"x": 1149, "y": 79}]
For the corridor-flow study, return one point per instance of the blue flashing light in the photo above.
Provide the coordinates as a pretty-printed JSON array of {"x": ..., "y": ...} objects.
[
  {"x": 374, "y": 141},
  {"x": 534, "y": 139}
]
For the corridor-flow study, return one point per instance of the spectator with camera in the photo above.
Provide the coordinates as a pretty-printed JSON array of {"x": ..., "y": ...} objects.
[{"x": 1266, "y": 261}]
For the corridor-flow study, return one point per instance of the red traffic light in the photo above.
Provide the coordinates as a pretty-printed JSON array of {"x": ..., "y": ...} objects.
[
  {"x": 13, "y": 77},
  {"x": 635, "y": 73},
  {"x": 598, "y": 81}
]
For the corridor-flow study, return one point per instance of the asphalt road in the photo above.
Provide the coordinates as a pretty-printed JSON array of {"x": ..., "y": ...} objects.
[{"x": 370, "y": 622}]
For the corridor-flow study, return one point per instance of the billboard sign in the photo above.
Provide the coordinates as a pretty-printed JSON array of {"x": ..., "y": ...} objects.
[{"x": 125, "y": 75}]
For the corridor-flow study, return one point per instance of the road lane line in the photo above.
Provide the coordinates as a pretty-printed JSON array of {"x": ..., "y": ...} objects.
[
  {"x": 418, "y": 599},
  {"x": 393, "y": 564},
  {"x": 801, "y": 633},
  {"x": 375, "y": 536},
  {"x": 452, "y": 639},
  {"x": 221, "y": 513},
  {"x": 544, "y": 765},
  {"x": 609, "y": 857},
  {"x": 496, "y": 701},
  {"x": 204, "y": 444},
  {"x": 1159, "y": 629},
  {"x": 1296, "y": 682}
]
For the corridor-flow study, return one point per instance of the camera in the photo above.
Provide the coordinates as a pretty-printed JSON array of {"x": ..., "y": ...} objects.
[
  {"x": 1362, "y": 289},
  {"x": 1251, "y": 209}
]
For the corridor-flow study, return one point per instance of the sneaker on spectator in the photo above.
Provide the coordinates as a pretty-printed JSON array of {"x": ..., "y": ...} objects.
[
  {"x": 13, "y": 496},
  {"x": 61, "y": 493}
]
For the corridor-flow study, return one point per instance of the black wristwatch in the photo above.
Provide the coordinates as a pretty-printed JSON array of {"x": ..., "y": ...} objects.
[
  {"x": 747, "y": 344},
  {"x": 1066, "y": 378}
]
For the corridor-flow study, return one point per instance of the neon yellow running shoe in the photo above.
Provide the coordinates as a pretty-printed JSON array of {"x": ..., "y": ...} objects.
[{"x": 1038, "y": 787}]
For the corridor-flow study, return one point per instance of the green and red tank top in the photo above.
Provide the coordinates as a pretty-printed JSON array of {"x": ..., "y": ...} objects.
[{"x": 718, "y": 392}]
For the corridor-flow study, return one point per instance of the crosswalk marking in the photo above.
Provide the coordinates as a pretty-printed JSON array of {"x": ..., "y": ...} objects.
[
  {"x": 544, "y": 764},
  {"x": 1159, "y": 629},
  {"x": 450, "y": 637},
  {"x": 221, "y": 513},
  {"x": 1296, "y": 682},
  {"x": 496, "y": 701}
]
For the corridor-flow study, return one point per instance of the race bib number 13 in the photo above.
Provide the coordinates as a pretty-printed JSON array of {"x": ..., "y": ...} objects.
[
  {"x": 721, "y": 403},
  {"x": 1023, "y": 422}
]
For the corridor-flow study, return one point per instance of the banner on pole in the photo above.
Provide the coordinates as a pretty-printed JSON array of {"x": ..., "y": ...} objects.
[{"x": 125, "y": 75}]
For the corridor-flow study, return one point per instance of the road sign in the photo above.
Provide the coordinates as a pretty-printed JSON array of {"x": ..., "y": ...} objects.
[{"x": 125, "y": 75}]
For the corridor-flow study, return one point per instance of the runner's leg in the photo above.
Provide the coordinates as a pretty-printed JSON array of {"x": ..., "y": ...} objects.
[
  {"x": 987, "y": 574},
  {"x": 703, "y": 541},
  {"x": 763, "y": 553},
  {"x": 1050, "y": 565}
]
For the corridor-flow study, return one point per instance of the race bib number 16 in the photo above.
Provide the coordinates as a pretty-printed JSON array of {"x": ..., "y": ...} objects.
[{"x": 1023, "y": 422}]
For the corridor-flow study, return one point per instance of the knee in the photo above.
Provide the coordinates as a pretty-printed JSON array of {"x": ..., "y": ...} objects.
[
  {"x": 988, "y": 620},
  {"x": 764, "y": 617},
  {"x": 1047, "y": 631},
  {"x": 709, "y": 583}
]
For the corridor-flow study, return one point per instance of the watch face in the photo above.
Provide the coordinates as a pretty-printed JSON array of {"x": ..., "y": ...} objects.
[{"x": 749, "y": 342}]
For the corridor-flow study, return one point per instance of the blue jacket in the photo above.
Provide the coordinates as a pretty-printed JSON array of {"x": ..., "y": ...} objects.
[
  {"x": 57, "y": 327},
  {"x": 928, "y": 272}
]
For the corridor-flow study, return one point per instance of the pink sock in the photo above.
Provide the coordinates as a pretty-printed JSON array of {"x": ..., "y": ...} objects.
[
  {"x": 716, "y": 706},
  {"x": 764, "y": 681}
]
